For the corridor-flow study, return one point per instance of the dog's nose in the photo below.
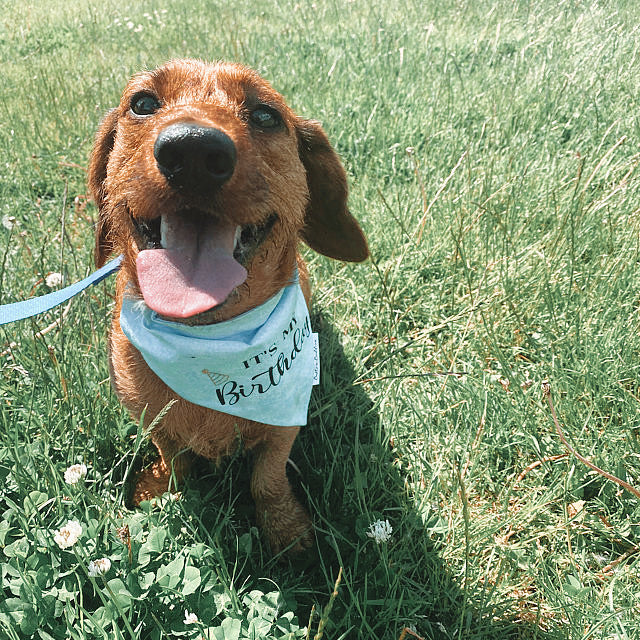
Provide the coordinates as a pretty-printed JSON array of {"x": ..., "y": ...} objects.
[{"x": 194, "y": 157}]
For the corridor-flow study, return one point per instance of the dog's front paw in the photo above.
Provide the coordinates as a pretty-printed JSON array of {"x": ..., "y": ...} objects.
[
  {"x": 151, "y": 483},
  {"x": 286, "y": 525}
]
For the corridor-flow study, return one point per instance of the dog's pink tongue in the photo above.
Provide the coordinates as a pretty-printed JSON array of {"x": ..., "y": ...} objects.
[{"x": 193, "y": 273}]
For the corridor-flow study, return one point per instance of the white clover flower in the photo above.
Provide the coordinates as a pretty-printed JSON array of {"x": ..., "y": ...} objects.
[
  {"x": 380, "y": 531},
  {"x": 75, "y": 473},
  {"x": 99, "y": 567},
  {"x": 54, "y": 279},
  {"x": 68, "y": 535},
  {"x": 8, "y": 222},
  {"x": 190, "y": 618}
]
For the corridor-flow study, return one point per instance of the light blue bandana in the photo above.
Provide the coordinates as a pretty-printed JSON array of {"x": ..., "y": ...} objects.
[{"x": 260, "y": 365}]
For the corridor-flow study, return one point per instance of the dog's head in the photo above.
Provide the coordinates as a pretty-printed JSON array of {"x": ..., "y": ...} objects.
[{"x": 205, "y": 179}]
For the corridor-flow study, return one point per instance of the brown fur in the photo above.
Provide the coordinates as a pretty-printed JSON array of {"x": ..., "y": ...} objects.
[{"x": 294, "y": 172}]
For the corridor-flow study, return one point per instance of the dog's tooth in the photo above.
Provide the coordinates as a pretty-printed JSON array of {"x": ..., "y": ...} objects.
[
  {"x": 236, "y": 240},
  {"x": 165, "y": 232}
]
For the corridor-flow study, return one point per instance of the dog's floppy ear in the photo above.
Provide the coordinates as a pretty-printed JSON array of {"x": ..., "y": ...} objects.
[
  {"x": 329, "y": 228},
  {"x": 102, "y": 147}
]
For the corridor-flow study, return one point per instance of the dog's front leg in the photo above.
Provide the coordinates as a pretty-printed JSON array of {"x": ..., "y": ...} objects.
[{"x": 282, "y": 518}]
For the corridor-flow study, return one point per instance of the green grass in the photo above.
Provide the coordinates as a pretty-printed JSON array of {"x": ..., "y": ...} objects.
[{"x": 492, "y": 149}]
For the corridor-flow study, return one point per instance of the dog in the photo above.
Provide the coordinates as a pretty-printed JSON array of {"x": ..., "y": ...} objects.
[{"x": 205, "y": 181}]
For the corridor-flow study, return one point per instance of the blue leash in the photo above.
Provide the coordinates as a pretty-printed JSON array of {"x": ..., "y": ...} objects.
[{"x": 32, "y": 306}]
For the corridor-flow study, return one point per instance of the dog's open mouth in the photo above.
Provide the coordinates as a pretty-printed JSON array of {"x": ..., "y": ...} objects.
[{"x": 190, "y": 262}]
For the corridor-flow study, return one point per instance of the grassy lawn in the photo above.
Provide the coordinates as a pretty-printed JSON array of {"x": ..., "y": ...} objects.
[{"x": 492, "y": 148}]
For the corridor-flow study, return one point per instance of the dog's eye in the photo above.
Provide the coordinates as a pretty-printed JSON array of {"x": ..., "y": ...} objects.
[
  {"x": 144, "y": 104},
  {"x": 265, "y": 117}
]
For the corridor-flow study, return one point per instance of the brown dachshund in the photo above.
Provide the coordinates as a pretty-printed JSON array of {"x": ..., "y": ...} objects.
[{"x": 206, "y": 180}]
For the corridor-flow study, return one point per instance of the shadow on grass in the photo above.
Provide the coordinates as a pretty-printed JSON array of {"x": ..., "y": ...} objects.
[{"x": 348, "y": 478}]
